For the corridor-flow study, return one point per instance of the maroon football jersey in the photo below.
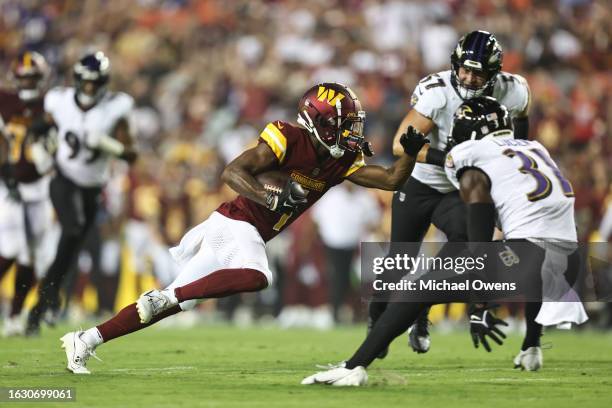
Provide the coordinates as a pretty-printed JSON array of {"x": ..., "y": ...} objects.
[
  {"x": 297, "y": 157},
  {"x": 18, "y": 117}
]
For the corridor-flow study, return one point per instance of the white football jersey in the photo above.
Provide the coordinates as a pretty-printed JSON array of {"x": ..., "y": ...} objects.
[
  {"x": 436, "y": 98},
  {"x": 79, "y": 132},
  {"x": 532, "y": 198}
]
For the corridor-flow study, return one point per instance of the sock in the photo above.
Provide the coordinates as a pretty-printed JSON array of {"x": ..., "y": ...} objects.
[
  {"x": 221, "y": 283},
  {"x": 92, "y": 337},
  {"x": 128, "y": 321},
  {"x": 394, "y": 321},
  {"x": 23, "y": 283},
  {"x": 534, "y": 330}
]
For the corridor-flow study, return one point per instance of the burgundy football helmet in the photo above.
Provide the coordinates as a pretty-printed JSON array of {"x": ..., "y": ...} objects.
[
  {"x": 29, "y": 71},
  {"x": 333, "y": 114}
]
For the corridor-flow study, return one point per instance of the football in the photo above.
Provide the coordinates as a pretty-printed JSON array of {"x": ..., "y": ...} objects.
[{"x": 273, "y": 180}]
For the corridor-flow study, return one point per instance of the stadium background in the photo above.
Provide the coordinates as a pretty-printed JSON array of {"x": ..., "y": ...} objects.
[{"x": 208, "y": 75}]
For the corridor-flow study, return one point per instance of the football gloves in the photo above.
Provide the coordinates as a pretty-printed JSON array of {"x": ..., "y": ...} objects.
[
  {"x": 289, "y": 199},
  {"x": 412, "y": 141},
  {"x": 484, "y": 323}
]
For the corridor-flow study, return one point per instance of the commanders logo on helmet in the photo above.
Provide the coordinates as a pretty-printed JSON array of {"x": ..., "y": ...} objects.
[{"x": 333, "y": 114}]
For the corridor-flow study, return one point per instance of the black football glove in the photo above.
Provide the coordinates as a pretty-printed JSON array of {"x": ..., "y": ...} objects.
[
  {"x": 484, "y": 323},
  {"x": 412, "y": 141},
  {"x": 288, "y": 200}
]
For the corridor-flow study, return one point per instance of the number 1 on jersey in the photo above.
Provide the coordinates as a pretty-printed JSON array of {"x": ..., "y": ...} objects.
[{"x": 282, "y": 221}]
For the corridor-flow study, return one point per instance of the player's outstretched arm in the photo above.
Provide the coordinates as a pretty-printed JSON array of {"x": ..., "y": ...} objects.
[
  {"x": 418, "y": 121},
  {"x": 240, "y": 173},
  {"x": 392, "y": 178}
]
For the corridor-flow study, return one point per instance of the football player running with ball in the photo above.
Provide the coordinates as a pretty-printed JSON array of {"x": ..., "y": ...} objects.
[
  {"x": 225, "y": 254},
  {"x": 518, "y": 181},
  {"x": 428, "y": 196},
  {"x": 92, "y": 128}
]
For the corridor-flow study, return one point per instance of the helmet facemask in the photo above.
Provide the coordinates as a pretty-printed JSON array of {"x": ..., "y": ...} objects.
[
  {"x": 346, "y": 131},
  {"x": 91, "y": 71},
  {"x": 466, "y": 91},
  {"x": 478, "y": 51}
]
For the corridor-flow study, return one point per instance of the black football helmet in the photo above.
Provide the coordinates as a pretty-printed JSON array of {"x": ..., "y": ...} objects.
[
  {"x": 477, "y": 51},
  {"x": 91, "y": 75},
  {"x": 476, "y": 118}
]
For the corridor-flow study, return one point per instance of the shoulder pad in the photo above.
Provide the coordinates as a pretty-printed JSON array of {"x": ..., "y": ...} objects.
[
  {"x": 429, "y": 95},
  {"x": 275, "y": 136},
  {"x": 512, "y": 91}
]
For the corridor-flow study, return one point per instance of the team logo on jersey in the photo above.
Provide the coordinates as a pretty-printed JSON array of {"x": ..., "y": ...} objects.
[
  {"x": 449, "y": 161},
  {"x": 414, "y": 99},
  {"x": 329, "y": 94},
  {"x": 508, "y": 256},
  {"x": 309, "y": 183}
]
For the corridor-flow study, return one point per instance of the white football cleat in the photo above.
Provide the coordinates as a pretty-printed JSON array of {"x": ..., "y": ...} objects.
[
  {"x": 77, "y": 352},
  {"x": 152, "y": 303},
  {"x": 418, "y": 335},
  {"x": 338, "y": 376},
  {"x": 13, "y": 326},
  {"x": 530, "y": 359}
]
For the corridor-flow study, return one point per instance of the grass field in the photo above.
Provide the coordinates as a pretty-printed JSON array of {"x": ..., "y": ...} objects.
[{"x": 219, "y": 366}]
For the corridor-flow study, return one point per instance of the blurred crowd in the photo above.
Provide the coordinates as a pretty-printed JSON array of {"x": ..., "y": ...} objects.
[{"x": 207, "y": 75}]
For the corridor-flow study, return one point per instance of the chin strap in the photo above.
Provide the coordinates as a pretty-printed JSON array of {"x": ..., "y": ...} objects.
[{"x": 304, "y": 119}]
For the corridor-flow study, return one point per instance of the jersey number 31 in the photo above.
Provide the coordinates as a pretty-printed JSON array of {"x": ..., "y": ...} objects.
[{"x": 544, "y": 185}]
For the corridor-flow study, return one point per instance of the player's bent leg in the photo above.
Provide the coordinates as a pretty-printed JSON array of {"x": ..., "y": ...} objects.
[
  {"x": 221, "y": 283},
  {"x": 450, "y": 217},
  {"x": 411, "y": 210}
]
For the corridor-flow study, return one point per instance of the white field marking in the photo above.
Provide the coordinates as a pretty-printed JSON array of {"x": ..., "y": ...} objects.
[{"x": 161, "y": 369}]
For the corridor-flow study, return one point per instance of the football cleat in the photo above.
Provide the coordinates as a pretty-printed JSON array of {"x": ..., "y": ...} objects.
[
  {"x": 530, "y": 359},
  {"x": 418, "y": 334},
  {"x": 77, "y": 352},
  {"x": 152, "y": 303},
  {"x": 13, "y": 326},
  {"x": 339, "y": 376}
]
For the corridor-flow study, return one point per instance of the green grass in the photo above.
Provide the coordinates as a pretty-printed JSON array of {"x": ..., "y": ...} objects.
[{"x": 218, "y": 366}]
